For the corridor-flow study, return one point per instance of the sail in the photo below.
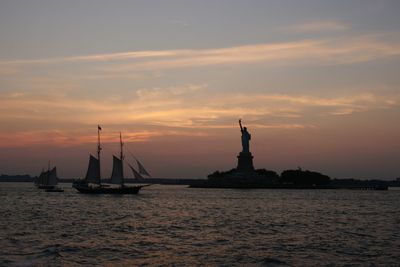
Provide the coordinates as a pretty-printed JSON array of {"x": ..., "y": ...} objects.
[
  {"x": 142, "y": 170},
  {"x": 41, "y": 179},
  {"x": 38, "y": 178},
  {"x": 117, "y": 172},
  {"x": 52, "y": 177},
  {"x": 44, "y": 178},
  {"x": 93, "y": 171},
  {"x": 135, "y": 173}
]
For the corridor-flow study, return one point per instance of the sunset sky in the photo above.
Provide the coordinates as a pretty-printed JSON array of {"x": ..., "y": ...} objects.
[{"x": 317, "y": 83}]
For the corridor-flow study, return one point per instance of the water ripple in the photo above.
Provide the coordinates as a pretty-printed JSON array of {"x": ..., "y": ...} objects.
[{"x": 177, "y": 226}]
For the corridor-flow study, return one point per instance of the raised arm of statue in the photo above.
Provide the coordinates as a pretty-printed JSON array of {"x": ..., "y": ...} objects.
[{"x": 240, "y": 123}]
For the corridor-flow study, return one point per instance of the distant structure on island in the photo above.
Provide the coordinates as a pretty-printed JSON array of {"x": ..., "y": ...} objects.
[
  {"x": 245, "y": 158},
  {"x": 243, "y": 176},
  {"x": 246, "y": 176}
]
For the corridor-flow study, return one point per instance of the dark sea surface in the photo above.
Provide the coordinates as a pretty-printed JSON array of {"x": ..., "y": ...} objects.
[{"x": 179, "y": 226}]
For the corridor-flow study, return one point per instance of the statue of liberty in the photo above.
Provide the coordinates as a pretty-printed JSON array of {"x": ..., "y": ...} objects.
[{"x": 246, "y": 137}]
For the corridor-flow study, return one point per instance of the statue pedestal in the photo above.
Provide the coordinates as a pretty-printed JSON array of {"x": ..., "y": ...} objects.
[{"x": 245, "y": 162}]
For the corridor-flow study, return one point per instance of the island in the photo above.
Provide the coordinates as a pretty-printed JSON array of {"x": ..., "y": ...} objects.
[{"x": 245, "y": 176}]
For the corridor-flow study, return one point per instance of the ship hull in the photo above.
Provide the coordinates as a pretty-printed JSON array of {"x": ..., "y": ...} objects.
[
  {"x": 45, "y": 186},
  {"x": 123, "y": 190},
  {"x": 56, "y": 189}
]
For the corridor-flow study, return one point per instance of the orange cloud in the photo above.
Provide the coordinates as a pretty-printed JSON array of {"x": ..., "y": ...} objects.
[
  {"x": 176, "y": 111},
  {"x": 67, "y": 137},
  {"x": 179, "y": 108}
]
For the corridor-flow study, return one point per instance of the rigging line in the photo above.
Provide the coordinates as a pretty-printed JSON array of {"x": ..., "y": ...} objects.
[
  {"x": 139, "y": 163},
  {"x": 133, "y": 156}
]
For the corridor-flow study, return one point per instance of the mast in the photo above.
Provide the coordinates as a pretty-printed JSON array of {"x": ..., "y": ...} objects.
[
  {"x": 122, "y": 158},
  {"x": 98, "y": 150}
]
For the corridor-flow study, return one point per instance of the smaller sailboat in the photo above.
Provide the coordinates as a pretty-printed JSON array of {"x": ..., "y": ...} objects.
[
  {"x": 92, "y": 182},
  {"x": 48, "y": 180}
]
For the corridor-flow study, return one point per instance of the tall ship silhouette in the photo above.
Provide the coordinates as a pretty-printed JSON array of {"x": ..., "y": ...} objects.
[
  {"x": 92, "y": 183},
  {"x": 48, "y": 180}
]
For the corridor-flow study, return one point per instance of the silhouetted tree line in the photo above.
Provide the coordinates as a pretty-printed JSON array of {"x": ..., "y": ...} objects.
[
  {"x": 292, "y": 177},
  {"x": 300, "y": 177},
  {"x": 232, "y": 177},
  {"x": 16, "y": 178}
]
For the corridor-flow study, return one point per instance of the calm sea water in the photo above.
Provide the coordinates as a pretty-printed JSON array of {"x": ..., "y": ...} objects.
[{"x": 179, "y": 226}]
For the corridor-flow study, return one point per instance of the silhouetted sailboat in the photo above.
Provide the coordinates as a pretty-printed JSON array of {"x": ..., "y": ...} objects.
[
  {"x": 48, "y": 180},
  {"x": 92, "y": 182}
]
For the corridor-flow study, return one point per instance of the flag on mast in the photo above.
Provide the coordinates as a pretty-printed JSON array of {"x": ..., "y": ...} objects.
[{"x": 98, "y": 127}]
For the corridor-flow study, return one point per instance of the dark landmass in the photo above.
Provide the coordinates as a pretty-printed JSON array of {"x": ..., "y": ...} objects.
[
  {"x": 290, "y": 179},
  {"x": 16, "y": 178},
  {"x": 166, "y": 181},
  {"x": 245, "y": 176},
  {"x": 300, "y": 177}
]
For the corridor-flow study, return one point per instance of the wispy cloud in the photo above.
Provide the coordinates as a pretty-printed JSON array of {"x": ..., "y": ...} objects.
[
  {"x": 158, "y": 92},
  {"x": 187, "y": 109},
  {"x": 318, "y": 26},
  {"x": 173, "y": 100},
  {"x": 94, "y": 58},
  {"x": 8, "y": 69},
  {"x": 67, "y": 137},
  {"x": 180, "y": 23},
  {"x": 174, "y": 111},
  {"x": 345, "y": 50}
]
